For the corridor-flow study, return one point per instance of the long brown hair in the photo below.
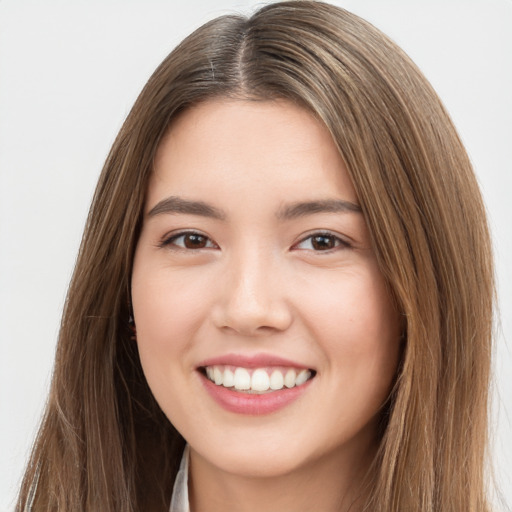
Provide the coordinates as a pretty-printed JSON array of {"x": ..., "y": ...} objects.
[{"x": 104, "y": 444}]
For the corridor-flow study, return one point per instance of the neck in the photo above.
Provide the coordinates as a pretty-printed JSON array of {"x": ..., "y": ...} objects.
[{"x": 331, "y": 484}]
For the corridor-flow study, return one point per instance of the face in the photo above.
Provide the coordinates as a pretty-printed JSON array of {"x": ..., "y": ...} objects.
[{"x": 254, "y": 269}]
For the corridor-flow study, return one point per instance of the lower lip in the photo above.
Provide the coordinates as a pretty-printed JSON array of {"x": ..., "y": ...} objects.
[{"x": 252, "y": 404}]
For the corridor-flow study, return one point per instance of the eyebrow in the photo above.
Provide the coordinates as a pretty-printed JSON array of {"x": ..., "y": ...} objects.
[
  {"x": 178, "y": 205},
  {"x": 174, "y": 204},
  {"x": 301, "y": 209}
]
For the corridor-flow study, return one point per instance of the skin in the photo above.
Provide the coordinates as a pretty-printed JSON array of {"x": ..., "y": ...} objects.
[{"x": 259, "y": 285}]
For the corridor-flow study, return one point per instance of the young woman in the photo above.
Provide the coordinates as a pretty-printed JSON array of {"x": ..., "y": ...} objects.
[{"x": 284, "y": 288}]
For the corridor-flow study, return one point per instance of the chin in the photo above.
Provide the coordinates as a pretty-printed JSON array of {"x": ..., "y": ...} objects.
[{"x": 256, "y": 463}]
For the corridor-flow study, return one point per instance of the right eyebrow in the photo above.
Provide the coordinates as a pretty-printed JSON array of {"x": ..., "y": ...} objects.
[
  {"x": 302, "y": 209},
  {"x": 174, "y": 204}
]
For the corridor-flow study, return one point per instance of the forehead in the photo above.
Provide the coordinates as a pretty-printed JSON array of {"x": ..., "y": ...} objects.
[{"x": 245, "y": 147}]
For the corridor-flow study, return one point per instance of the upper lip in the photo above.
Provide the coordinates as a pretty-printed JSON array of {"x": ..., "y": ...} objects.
[{"x": 251, "y": 361}]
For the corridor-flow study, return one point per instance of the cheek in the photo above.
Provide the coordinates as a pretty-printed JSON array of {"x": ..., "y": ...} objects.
[
  {"x": 167, "y": 315},
  {"x": 168, "y": 306},
  {"x": 357, "y": 326},
  {"x": 166, "y": 312}
]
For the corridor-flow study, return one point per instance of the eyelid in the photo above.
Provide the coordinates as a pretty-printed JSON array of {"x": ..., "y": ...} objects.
[
  {"x": 342, "y": 242},
  {"x": 168, "y": 239}
]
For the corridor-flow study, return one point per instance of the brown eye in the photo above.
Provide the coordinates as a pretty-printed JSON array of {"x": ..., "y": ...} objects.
[
  {"x": 189, "y": 240},
  {"x": 323, "y": 242},
  {"x": 194, "y": 241}
]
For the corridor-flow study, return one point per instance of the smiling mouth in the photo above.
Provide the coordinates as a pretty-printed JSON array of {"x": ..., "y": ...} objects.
[{"x": 257, "y": 380}]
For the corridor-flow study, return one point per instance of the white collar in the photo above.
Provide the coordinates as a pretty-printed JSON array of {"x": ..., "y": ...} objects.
[{"x": 179, "y": 500}]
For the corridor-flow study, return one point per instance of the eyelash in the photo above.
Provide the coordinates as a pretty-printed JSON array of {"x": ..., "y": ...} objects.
[
  {"x": 339, "y": 243},
  {"x": 170, "y": 242}
]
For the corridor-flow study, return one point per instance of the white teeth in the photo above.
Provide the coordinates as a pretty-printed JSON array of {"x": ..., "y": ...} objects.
[
  {"x": 289, "y": 378},
  {"x": 276, "y": 380},
  {"x": 302, "y": 377},
  {"x": 259, "y": 380},
  {"x": 229, "y": 378},
  {"x": 242, "y": 379},
  {"x": 217, "y": 376}
]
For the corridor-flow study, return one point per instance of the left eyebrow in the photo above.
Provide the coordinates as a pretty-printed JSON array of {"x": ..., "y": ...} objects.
[
  {"x": 174, "y": 204},
  {"x": 301, "y": 209}
]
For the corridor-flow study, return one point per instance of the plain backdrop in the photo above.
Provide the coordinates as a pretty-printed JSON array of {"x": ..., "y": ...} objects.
[{"x": 69, "y": 73}]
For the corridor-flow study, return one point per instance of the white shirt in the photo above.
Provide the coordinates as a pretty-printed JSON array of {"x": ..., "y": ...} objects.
[{"x": 179, "y": 500}]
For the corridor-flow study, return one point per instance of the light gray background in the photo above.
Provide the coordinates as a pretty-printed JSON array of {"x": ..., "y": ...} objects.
[{"x": 69, "y": 73}]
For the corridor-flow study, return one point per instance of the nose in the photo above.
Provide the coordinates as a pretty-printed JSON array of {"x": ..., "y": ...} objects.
[{"x": 252, "y": 299}]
